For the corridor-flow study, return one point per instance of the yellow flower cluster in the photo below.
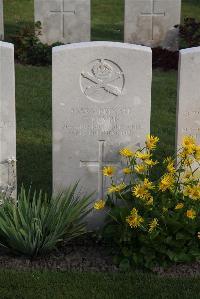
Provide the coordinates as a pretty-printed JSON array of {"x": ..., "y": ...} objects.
[
  {"x": 167, "y": 182},
  {"x": 189, "y": 145},
  {"x": 146, "y": 159},
  {"x": 150, "y": 162},
  {"x": 191, "y": 214},
  {"x": 117, "y": 188},
  {"x": 151, "y": 142},
  {"x": 143, "y": 155},
  {"x": 142, "y": 191},
  {"x": 126, "y": 152},
  {"x": 134, "y": 220},
  {"x": 180, "y": 180},
  {"x": 170, "y": 165},
  {"x": 140, "y": 168},
  {"x": 190, "y": 150},
  {"x": 99, "y": 204},
  {"x": 192, "y": 191}
]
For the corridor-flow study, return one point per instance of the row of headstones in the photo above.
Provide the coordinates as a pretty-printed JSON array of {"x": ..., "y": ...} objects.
[
  {"x": 147, "y": 22},
  {"x": 101, "y": 103}
]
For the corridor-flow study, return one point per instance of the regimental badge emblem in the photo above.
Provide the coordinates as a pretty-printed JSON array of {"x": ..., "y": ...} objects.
[{"x": 102, "y": 81}]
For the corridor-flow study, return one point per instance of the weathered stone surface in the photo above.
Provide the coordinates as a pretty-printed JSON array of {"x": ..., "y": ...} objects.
[
  {"x": 1, "y": 21},
  {"x": 188, "y": 107},
  {"x": 7, "y": 115},
  {"x": 101, "y": 103},
  {"x": 64, "y": 21},
  {"x": 151, "y": 22}
]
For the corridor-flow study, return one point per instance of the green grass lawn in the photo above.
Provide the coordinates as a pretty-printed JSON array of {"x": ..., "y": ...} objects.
[
  {"x": 31, "y": 285},
  {"x": 33, "y": 106}
]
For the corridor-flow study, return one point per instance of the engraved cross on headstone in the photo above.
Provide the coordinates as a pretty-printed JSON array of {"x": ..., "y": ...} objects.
[
  {"x": 153, "y": 14},
  {"x": 99, "y": 165},
  {"x": 63, "y": 13}
]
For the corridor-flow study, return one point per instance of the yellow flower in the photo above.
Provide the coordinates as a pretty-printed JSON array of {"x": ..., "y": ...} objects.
[
  {"x": 187, "y": 190},
  {"x": 127, "y": 170},
  {"x": 151, "y": 142},
  {"x": 197, "y": 153},
  {"x": 143, "y": 156},
  {"x": 150, "y": 162},
  {"x": 191, "y": 214},
  {"x": 134, "y": 220},
  {"x": 149, "y": 200},
  {"x": 99, "y": 204},
  {"x": 170, "y": 167},
  {"x": 179, "y": 206},
  {"x": 125, "y": 152},
  {"x": 153, "y": 224},
  {"x": 149, "y": 185},
  {"x": 109, "y": 170},
  {"x": 192, "y": 192},
  {"x": 186, "y": 158},
  {"x": 116, "y": 188},
  {"x": 189, "y": 145},
  {"x": 195, "y": 195},
  {"x": 188, "y": 141},
  {"x": 140, "y": 168},
  {"x": 140, "y": 191},
  {"x": 166, "y": 182}
]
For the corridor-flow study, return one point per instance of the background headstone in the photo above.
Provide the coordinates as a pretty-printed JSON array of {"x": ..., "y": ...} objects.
[
  {"x": 188, "y": 106},
  {"x": 151, "y": 22},
  {"x": 7, "y": 116},
  {"x": 1, "y": 21},
  {"x": 101, "y": 103},
  {"x": 64, "y": 21}
]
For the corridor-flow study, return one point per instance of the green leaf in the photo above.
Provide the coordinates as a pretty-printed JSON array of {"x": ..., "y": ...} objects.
[{"x": 124, "y": 265}]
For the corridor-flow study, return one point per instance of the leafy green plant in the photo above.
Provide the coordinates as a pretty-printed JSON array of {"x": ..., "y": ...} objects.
[
  {"x": 153, "y": 219},
  {"x": 35, "y": 224},
  {"x": 189, "y": 33},
  {"x": 29, "y": 49}
]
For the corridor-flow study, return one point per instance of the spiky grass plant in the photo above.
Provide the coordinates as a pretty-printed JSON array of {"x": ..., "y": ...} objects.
[{"x": 35, "y": 224}]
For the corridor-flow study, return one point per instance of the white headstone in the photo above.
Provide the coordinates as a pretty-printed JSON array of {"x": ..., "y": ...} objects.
[
  {"x": 64, "y": 21},
  {"x": 7, "y": 115},
  {"x": 1, "y": 21},
  {"x": 151, "y": 22},
  {"x": 188, "y": 109},
  {"x": 101, "y": 103}
]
